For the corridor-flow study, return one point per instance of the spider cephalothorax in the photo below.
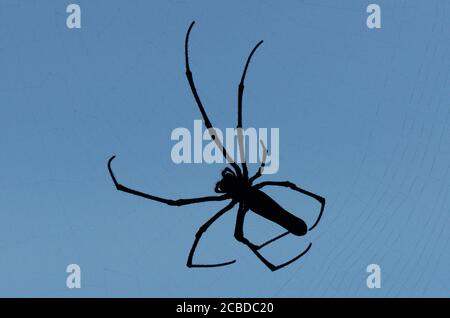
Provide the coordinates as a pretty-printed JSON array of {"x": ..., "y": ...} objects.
[
  {"x": 237, "y": 187},
  {"x": 231, "y": 183}
]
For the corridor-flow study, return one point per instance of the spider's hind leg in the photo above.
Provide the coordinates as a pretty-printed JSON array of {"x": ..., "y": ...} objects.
[
  {"x": 255, "y": 249},
  {"x": 239, "y": 235}
]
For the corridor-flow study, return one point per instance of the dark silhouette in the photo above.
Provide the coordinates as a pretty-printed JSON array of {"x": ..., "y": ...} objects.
[{"x": 238, "y": 187}]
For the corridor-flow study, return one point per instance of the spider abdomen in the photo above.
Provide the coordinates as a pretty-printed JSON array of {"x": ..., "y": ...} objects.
[{"x": 268, "y": 208}]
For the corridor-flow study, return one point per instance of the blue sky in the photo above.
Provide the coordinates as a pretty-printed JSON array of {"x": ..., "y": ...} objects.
[{"x": 363, "y": 117}]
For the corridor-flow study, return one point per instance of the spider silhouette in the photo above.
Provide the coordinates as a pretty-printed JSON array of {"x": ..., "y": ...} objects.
[{"x": 236, "y": 186}]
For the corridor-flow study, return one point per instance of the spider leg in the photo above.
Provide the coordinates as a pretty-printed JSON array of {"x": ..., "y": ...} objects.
[
  {"x": 239, "y": 122},
  {"x": 277, "y": 267},
  {"x": 288, "y": 184},
  {"x": 263, "y": 163},
  {"x": 276, "y": 238},
  {"x": 208, "y": 124},
  {"x": 199, "y": 234},
  {"x": 178, "y": 202},
  {"x": 273, "y": 267},
  {"x": 239, "y": 235}
]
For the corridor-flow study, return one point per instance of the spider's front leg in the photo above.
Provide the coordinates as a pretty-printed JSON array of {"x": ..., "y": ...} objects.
[
  {"x": 263, "y": 163},
  {"x": 178, "y": 202}
]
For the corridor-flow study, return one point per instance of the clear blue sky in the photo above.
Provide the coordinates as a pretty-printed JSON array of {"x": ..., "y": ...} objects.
[{"x": 364, "y": 121}]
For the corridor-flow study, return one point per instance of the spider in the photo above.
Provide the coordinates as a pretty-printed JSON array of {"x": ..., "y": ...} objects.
[{"x": 236, "y": 185}]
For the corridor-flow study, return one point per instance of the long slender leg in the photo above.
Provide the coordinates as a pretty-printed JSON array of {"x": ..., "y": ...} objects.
[
  {"x": 239, "y": 235},
  {"x": 208, "y": 124},
  {"x": 199, "y": 234},
  {"x": 239, "y": 123},
  {"x": 239, "y": 228},
  {"x": 263, "y": 163},
  {"x": 276, "y": 238},
  {"x": 277, "y": 267},
  {"x": 292, "y": 186},
  {"x": 178, "y": 202}
]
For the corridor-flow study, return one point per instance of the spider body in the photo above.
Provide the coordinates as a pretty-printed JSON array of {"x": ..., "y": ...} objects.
[
  {"x": 236, "y": 185},
  {"x": 241, "y": 190},
  {"x": 263, "y": 205}
]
